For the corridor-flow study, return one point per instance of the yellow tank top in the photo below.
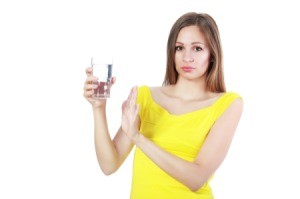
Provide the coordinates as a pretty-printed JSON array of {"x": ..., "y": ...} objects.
[{"x": 182, "y": 135}]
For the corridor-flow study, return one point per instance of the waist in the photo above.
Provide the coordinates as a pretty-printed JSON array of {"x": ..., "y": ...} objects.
[{"x": 149, "y": 180}]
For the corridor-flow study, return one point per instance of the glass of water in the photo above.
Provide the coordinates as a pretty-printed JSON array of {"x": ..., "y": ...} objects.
[{"x": 102, "y": 68}]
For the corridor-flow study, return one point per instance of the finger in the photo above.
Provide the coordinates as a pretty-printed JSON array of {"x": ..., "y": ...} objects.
[
  {"x": 135, "y": 89},
  {"x": 130, "y": 94},
  {"x": 133, "y": 96},
  {"x": 89, "y": 71},
  {"x": 112, "y": 81},
  {"x": 136, "y": 93},
  {"x": 91, "y": 79},
  {"x": 88, "y": 87},
  {"x": 137, "y": 109},
  {"x": 88, "y": 94},
  {"x": 128, "y": 99},
  {"x": 123, "y": 106}
]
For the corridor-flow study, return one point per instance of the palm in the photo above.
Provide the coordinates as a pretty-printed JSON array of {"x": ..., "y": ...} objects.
[
  {"x": 130, "y": 115},
  {"x": 129, "y": 120}
]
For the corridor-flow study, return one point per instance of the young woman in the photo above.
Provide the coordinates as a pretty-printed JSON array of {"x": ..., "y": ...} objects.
[{"x": 182, "y": 130}]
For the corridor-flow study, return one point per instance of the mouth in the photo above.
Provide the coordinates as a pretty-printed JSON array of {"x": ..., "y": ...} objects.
[{"x": 187, "y": 68}]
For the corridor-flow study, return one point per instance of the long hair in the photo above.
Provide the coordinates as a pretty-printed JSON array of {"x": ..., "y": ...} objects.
[{"x": 207, "y": 25}]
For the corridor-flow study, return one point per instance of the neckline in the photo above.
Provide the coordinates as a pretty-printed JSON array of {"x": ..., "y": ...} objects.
[{"x": 183, "y": 114}]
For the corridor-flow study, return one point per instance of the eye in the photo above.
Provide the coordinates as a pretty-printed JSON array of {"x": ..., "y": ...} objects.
[
  {"x": 198, "y": 48},
  {"x": 178, "y": 48}
]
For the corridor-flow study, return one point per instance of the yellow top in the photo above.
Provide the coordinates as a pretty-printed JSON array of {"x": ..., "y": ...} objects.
[{"x": 182, "y": 135}]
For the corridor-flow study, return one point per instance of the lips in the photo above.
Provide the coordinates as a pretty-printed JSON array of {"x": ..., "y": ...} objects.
[{"x": 187, "y": 68}]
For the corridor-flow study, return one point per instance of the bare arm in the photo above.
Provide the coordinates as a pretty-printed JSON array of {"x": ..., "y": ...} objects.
[
  {"x": 195, "y": 174},
  {"x": 110, "y": 153}
]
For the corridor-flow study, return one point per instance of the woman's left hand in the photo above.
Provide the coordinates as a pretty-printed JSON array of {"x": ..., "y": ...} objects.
[{"x": 130, "y": 116}]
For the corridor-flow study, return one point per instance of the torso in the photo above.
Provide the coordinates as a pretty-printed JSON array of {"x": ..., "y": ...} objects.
[{"x": 164, "y": 97}]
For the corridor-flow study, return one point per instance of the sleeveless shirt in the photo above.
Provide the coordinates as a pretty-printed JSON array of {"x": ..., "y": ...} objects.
[{"x": 182, "y": 135}]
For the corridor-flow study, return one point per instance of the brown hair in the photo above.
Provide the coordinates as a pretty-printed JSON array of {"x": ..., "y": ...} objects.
[{"x": 207, "y": 25}]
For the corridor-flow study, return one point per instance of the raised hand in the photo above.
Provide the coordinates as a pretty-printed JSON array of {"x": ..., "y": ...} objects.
[
  {"x": 89, "y": 87},
  {"x": 130, "y": 117}
]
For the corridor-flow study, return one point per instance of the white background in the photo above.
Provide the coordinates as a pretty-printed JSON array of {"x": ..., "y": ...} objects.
[{"x": 46, "y": 126}]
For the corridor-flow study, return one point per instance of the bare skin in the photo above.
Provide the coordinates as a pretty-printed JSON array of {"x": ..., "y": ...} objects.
[
  {"x": 110, "y": 153},
  {"x": 188, "y": 94}
]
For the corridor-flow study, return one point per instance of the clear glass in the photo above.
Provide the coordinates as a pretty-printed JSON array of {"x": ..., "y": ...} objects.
[{"x": 102, "y": 68}]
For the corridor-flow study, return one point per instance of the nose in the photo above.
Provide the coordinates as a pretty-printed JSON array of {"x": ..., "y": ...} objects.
[
  {"x": 187, "y": 57},
  {"x": 189, "y": 60}
]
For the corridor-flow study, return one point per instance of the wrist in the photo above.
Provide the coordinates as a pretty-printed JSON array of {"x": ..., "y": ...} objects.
[
  {"x": 137, "y": 138},
  {"x": 98, "y": 105},
  {"x": 99, "y": 108},
  {"x": 99, "y": 112}
]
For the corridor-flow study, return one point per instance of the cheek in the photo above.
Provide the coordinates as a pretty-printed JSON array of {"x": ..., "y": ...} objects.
[
  {"x": 203, "y": 59},
  {"x": 177, "y": 58}
]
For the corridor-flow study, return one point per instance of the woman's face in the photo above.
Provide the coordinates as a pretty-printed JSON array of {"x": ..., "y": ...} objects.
[{"x": 192, "y": 55}]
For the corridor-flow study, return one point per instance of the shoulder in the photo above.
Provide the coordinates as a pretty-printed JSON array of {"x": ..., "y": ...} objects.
[
  {"x": 143, "y": 90},
  {"x": 142, "y": 87},
  {"x": 233, "y": 94},
  {"x": 230, "y": 103},
  {"x": 234, "y": 103},
  {"x": 237, "y": 104},
  {"x": 237, "y": 101},
  {"x": 153, "y": 90},
  {"x": 147, "y": 89},
  {"x": 231, "y": 97}
]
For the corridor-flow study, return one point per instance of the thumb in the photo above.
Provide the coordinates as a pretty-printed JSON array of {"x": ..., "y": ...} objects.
[
  {"x": 137, "y": 109},
  {"x": 123, "y": 106},
  {"x": 112, "y": 81}
]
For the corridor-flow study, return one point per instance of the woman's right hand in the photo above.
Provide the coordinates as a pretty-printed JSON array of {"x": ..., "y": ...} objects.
[{"x": 89, "y": 87}]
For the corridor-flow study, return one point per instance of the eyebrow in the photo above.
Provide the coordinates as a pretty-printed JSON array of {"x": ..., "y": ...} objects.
[{"x": 193, "y": 43}]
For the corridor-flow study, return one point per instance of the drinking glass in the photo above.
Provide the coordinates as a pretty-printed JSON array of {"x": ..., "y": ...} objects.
[{"x": 102, "y": 68}]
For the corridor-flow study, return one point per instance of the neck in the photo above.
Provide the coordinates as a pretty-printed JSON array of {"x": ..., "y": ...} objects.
[{"x": 189, "y": 90}]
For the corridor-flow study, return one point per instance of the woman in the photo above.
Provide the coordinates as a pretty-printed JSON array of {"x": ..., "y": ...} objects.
[{"x": 182, "y": 130}]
